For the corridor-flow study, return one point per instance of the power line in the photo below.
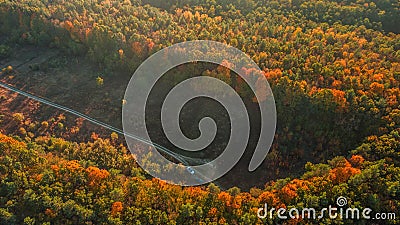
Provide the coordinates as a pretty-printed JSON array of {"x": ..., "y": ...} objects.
[
  {"x": 95, "y": 121},
  {"x": 163, "y": 149}
]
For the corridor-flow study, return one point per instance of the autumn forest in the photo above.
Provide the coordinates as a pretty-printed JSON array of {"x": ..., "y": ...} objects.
[{"x": 333, "y": 67}]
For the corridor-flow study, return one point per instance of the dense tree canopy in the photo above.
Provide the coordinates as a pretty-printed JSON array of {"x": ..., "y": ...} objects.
[
  {"x": 334, "y": 68},
  {"x": 53, "y": 181}
]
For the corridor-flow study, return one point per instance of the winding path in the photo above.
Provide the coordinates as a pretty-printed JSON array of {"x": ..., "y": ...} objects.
[{"x": 180, "y": 158}]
